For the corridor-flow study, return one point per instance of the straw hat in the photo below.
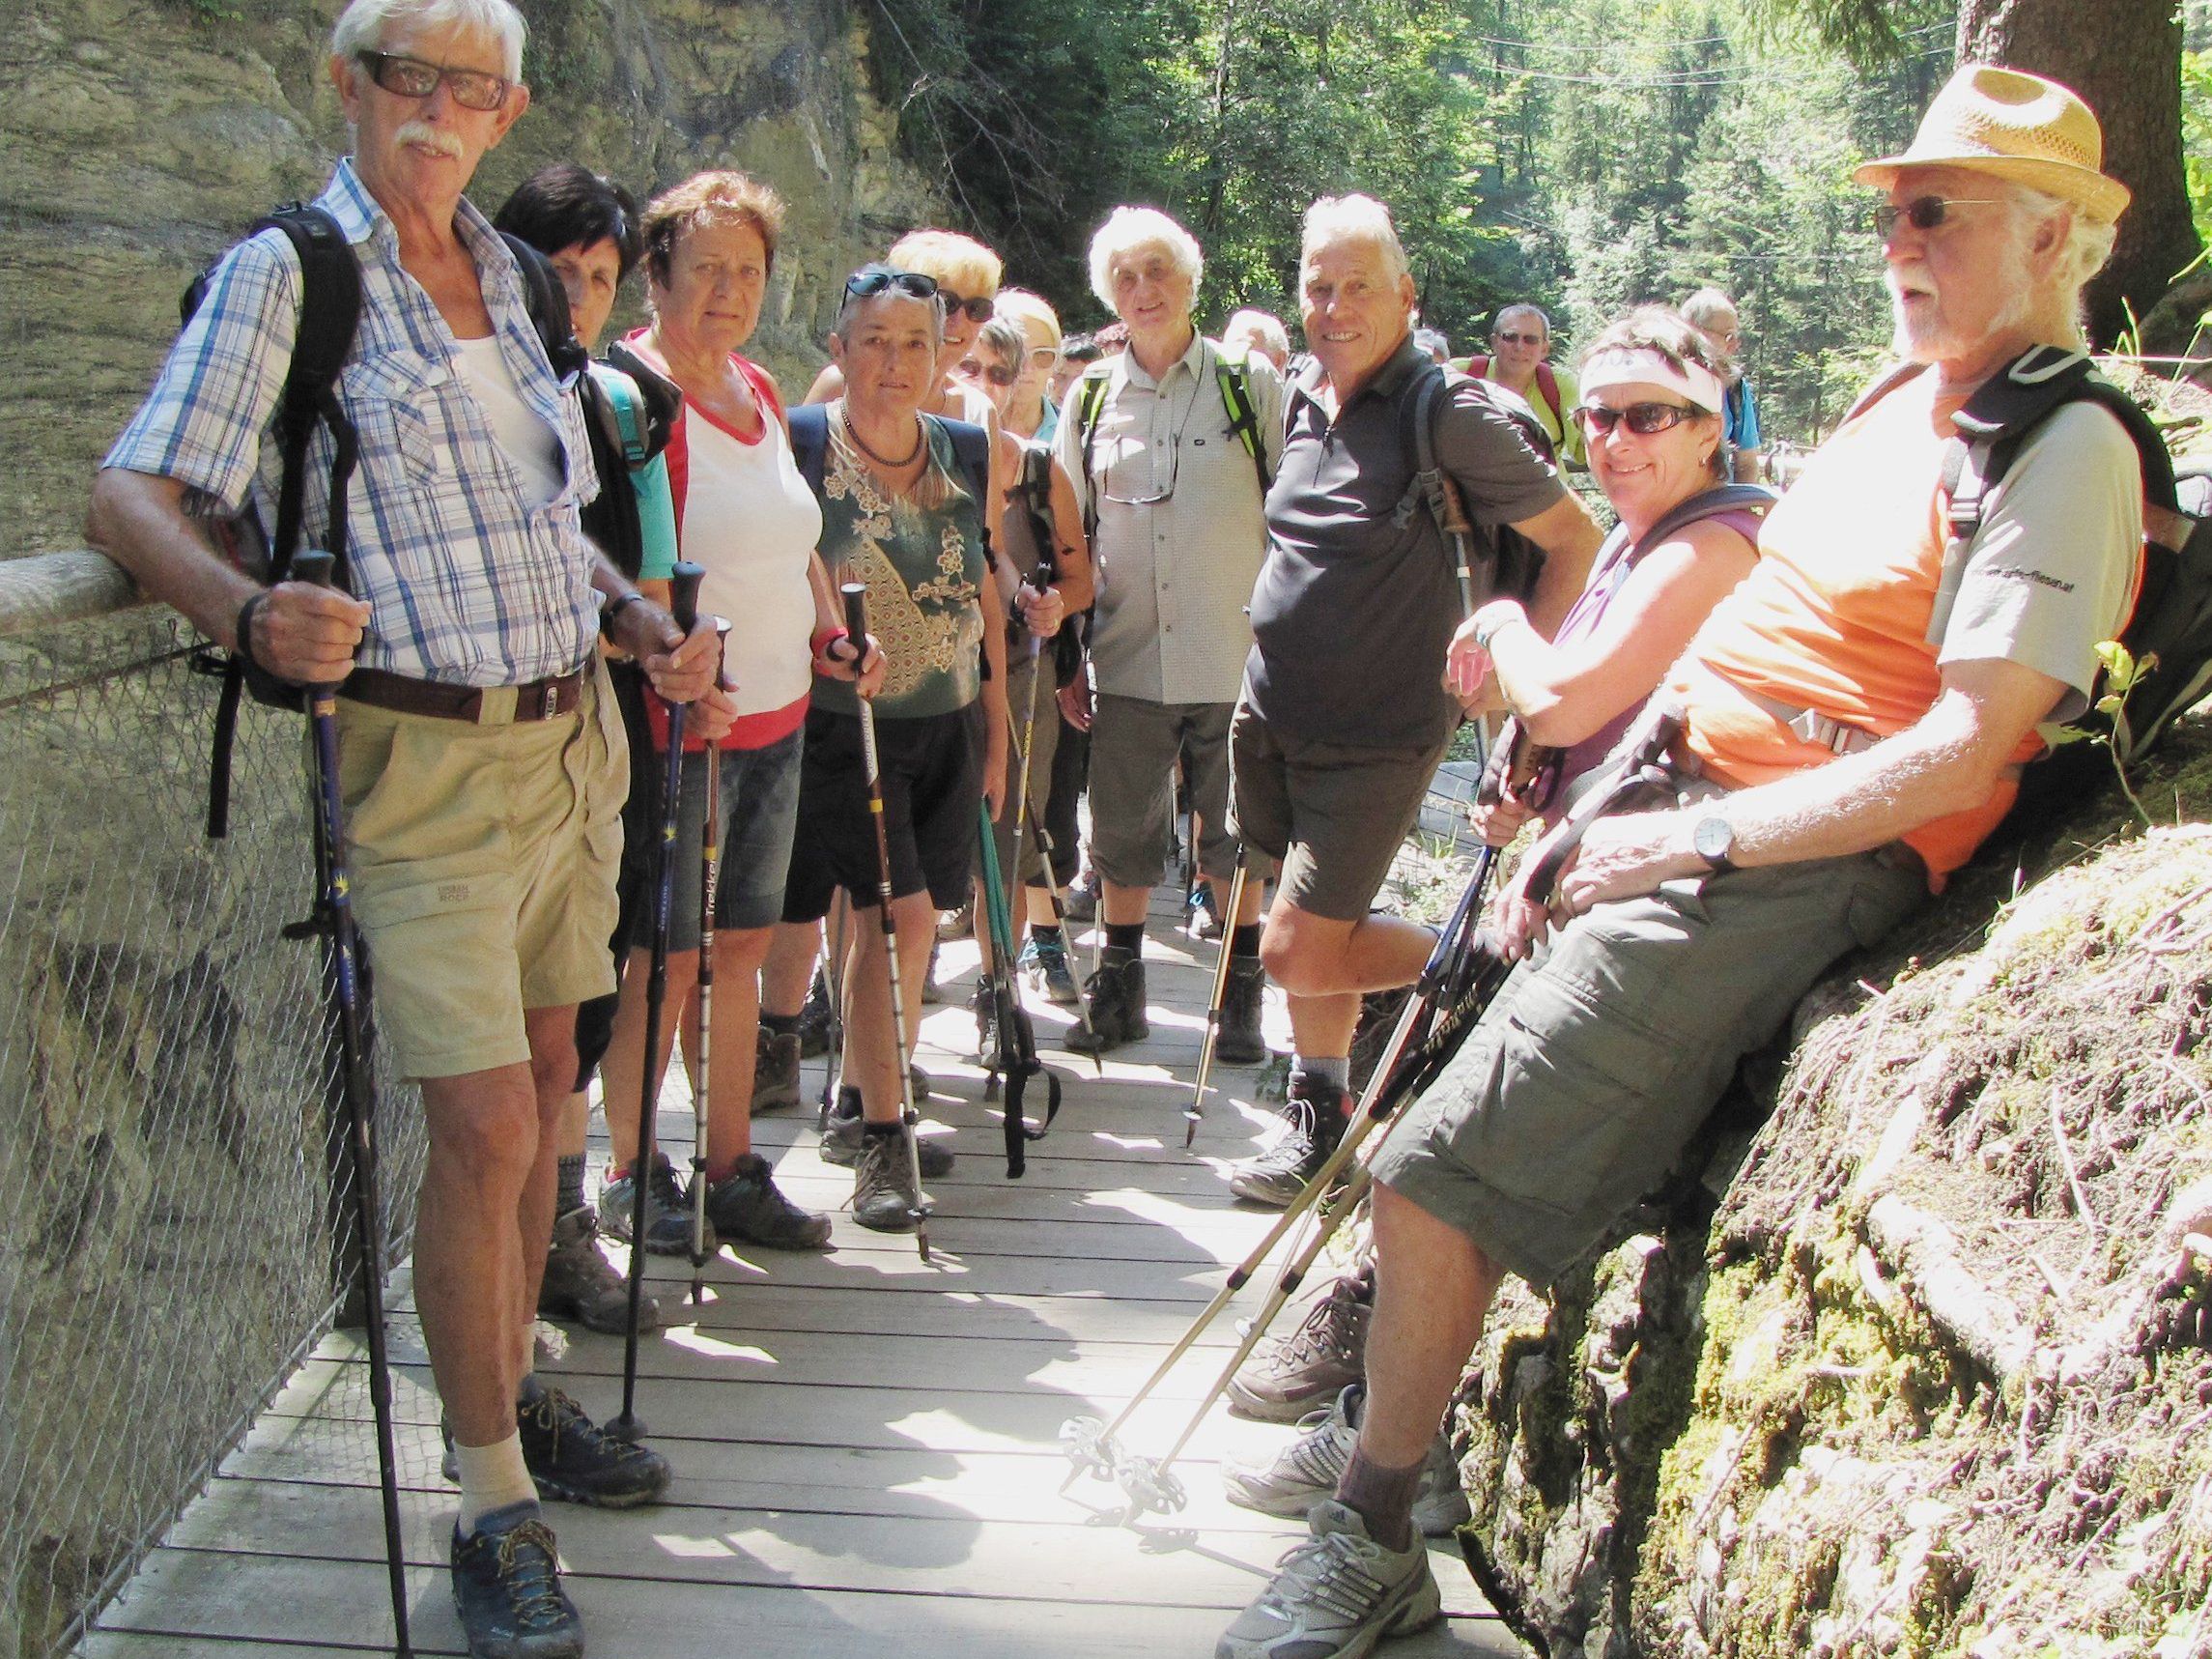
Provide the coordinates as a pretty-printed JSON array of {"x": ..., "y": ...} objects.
[{"x": 2017, "y": 126}]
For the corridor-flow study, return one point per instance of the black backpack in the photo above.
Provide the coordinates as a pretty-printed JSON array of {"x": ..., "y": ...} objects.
[
  {"x": 1514, "y": 562},
  {"x": 330, "y": 314}
]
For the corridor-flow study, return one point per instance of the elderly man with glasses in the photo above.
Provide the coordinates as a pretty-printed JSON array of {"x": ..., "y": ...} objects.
[
  {"x": 482, "y": 761},
  {"x": 1520, "y": 359},
  {"x": 1852, "y": 723}
]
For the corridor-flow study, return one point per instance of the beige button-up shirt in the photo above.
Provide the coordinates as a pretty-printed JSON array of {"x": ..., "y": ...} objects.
[{"x": 1183, "y": 527}]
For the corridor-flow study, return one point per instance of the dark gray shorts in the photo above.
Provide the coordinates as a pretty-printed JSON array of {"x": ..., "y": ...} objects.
[
  {"x": 1038, "y": 721},
  {"x": 1579, "y": 1089},
  {"x": 759, "y": 811},
  {"x": 1134, "y": 745},
  {"x": 1334, "y": 813}
]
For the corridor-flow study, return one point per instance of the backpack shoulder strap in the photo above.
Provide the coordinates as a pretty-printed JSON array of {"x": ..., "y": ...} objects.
[
  {"x": 1709, "y": 504},
  {"x": 1478, "y": 365},
  {"x": 972, "y": 449},
  {"x": 1547, "y": 382},
  {"x": 1087, "y": 402},
  {"x": 547, "y": 302},
  {"x": 663, "y": 401},
  {"x": 1233, "y": 373},
  {"x": 1419, "y": 407},
  {"x": 811, "y": 441},
  {"x": 1888, "y": 382}
]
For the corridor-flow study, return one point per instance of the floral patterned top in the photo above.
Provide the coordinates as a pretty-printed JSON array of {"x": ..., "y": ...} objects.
[{"x": 921, "y": 557}]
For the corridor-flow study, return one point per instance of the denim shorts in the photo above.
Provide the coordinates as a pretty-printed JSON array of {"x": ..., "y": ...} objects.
[{"x": 759, "y": 812}]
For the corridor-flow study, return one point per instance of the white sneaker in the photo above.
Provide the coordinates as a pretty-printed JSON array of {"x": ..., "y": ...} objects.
[
  {"x": 1307, "y": 1470},
  {"x": 1335, "y": 1595}
]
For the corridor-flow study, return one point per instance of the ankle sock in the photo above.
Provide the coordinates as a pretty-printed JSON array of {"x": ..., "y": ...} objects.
[
  {"x": 1244, "y": 939},
  {"x": 1333, "y": 1068},
  {"x": 1382, "y": 1496},
  {"x": 779, "y": 1024},
  {"x": 1125, "y": 937},
  {"x": 567, "y": 1183},
  {"x": 493, "y": 1477}
]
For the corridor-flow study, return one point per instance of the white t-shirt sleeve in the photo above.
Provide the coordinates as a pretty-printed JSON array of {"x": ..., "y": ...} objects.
[{"x": 2050, "y": 574}]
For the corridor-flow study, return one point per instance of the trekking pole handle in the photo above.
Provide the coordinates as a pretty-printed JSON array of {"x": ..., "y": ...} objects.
[
  {"x": 683, "y": 593},
  {"x": 856, "y": 597},
  {"x": 316, "y": 566}
]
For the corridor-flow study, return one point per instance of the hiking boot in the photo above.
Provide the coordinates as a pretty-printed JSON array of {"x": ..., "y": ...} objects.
[
  {"x": 814, "y": 1019},
  {"x": 1306, "y": 1471},
  {"x": 668, "y": 1210},
  {"x": 776, "y": 1060},
  {"x": 884, "y": 1194},
  {"x": 1288, "y": 1375},
  {"x": 1114, "y": 1001},
  {"x": 1044, "y": 971},
  {"x": 1080, "y": 902},
  {"x": 1314, "y": 1122},
  {"x": 985, "y": 1008},
  {"x": 1335, "y": 1595},
  {"x": 746, "y": 1207},
  {"x": 583, "y": 1285},
  {"x": 841, "y": 1140},
  {"x": 1240, "y": 1043},
  {"x": 506, "y": 1588},
  {"x": 575, "y": 1461}
]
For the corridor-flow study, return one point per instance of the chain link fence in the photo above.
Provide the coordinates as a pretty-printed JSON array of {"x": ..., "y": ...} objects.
[{"x": 174, "y": 1210}]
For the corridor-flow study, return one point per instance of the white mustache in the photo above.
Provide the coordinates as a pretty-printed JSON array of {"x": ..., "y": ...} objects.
[{"x": 428, "y": 138}]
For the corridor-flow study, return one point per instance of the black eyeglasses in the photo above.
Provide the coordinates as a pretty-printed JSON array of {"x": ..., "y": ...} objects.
[
  {"x": 1505, "y": 339},
  {"x": 998, "y": 374},
  {"x": 412, "y": 77},
  {"x": 868, "y": 283},
  {"x": 1921, "y": 213},
  {"x": 978, "y": 310},
  {"x": 1643, "y": 418}
]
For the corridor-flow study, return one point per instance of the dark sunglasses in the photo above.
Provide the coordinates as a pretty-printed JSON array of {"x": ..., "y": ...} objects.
[
  {"x": 875, "y": 279},
  {"x": 1505, "y": 339},
  {"x": 1643, "y": 418},
  {"x": 412, "y": 77},
  {"x": 978, "y": 310},
  {"x": 1921, "y": 213},
  {"x": 998, "y": 374}
]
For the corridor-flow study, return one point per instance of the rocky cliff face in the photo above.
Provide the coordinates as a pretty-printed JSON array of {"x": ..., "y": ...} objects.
[{"x": 141, "y": 135}]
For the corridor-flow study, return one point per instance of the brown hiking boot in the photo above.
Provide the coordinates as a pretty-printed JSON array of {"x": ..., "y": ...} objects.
[
  {"x": 583, "y": 1285},
  {"x": 1302, "y": 1370}
]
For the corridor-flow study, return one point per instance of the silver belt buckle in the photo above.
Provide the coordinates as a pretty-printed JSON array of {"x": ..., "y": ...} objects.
[{"x": 549, "y": 700}]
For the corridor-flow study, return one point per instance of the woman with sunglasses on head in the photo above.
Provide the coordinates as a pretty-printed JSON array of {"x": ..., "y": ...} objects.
[
  {"x": 1651, "y": 390},
  {"x": 967, "y": 274}
]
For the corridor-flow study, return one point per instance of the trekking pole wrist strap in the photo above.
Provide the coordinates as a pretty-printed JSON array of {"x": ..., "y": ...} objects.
[{"x": 242, "y": 628}]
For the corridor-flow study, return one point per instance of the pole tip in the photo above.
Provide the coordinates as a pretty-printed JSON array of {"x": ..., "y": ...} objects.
[{"x": 626, "y": 1427}]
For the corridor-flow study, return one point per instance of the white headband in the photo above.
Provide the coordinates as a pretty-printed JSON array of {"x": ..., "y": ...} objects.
[{"x": 1626, "y": 365}]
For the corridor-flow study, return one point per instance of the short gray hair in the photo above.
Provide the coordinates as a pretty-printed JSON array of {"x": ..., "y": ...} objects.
[
  {"x": 1521, "y": 309},
  {"x": 1707, "y": 306},
  {"x": 850, "y": 306},
  {"x": 1127, "y": 229},
  {"x": 2088, "y": 242},
  {"x": 1263, "y": 327},
  {"x": 360, "y": 27},
  {"x": 1360, "y": 219}
]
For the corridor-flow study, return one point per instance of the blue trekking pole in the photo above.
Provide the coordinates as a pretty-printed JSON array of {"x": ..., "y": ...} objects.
[
  {"x": 320, "y": 569},
  {"x": 683, "y": 593}
]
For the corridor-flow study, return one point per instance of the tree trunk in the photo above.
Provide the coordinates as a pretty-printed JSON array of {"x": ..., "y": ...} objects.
[{"x": 2124, "y": 57}]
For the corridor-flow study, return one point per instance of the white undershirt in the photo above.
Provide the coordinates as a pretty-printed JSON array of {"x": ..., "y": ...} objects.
[
  {"x": 752, "y": 522},
  {"x": 528, "y": 442}
]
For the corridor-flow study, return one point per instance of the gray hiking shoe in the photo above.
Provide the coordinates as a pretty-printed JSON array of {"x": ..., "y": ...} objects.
[
  {"x": 1113, "y": 999},
  {"x": 775, "y": 1071},
  {"x": 581, "y": 1284},
  {"x": 1045, "y": 973},
  {"x": 1306, "y": 1471},
  {"x": 1291, "y": 1374},
  {"x": 1242, "y": 998},
  {"x": 668, "y": 1210},
  {"x": 842, "y": 1139},
  {"x": 1335, "y": 1595},
  {"x": 884, "y": 1198},
  {"x": 1313, "y": 1122},
  {"x": 814, "y": 1019},
  {"x": 746, "y": 1207}
]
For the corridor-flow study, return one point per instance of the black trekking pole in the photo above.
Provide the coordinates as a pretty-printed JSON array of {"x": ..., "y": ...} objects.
[
  {"x": 856, "y": 595},
  {"x": 703, "y": 1050},
  {"x": 1196, "y": 1110},
  {"x": 834, "y": 994},
  {"x": 320, "y": 569},
  {"x": 683, "y": 593}
]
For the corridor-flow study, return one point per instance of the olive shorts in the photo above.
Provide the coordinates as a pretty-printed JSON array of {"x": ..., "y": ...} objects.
[
  {"x": 1576, "y": 1092},
  {"x": 483, "y": 862},
  {"x": 1134, "y": 748}
]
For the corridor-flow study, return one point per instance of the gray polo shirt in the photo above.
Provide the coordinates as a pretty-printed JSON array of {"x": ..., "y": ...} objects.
[
  {"x": 1352, "y": 612},
  {"x": 1174, "y": 573}
]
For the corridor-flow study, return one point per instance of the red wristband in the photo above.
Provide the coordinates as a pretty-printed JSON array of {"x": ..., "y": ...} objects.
[{"x": 823, "y": 638}]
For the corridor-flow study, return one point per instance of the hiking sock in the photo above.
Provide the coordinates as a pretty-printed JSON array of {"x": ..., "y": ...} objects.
[
  {"x": 567, "y": 1183},
  {"x": 493, "y": 1477},
  {"x": 1244, "y": 939},
  {"x": 1323, "y": 1068},
  {"x": 1125, "y": 937},
  {"x": 779, "y": 1024},
  {"x": 1382, "y": 1496}
]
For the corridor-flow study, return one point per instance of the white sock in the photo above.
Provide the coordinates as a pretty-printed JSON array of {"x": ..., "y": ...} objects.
[{"x": 493, "y": 1477}]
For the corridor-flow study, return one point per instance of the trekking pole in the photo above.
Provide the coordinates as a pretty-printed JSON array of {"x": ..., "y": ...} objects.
[
  {"x": 1196, "y": 1110},
  {"x": 320, "y": 569},
  {"x": 856, "y": 625},
  {"x": 710, "y": 877},
  {"x": 684, "y": 594},
  {"x": 834, "y": 990}
]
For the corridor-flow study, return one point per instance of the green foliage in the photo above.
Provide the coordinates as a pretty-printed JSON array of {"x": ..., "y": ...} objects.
[
  {"x": 2197, "y": 137},
  {"x": 2122, "y": 673}
]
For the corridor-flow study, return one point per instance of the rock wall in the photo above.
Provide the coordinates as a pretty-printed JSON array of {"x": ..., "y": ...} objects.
[{"x": 140, "y": 135}]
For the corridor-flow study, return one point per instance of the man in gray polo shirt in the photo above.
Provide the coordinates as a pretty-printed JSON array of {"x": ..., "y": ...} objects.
[
  {"x": 1344, "y": 715},
  {"x": 1168, "y": 444}
]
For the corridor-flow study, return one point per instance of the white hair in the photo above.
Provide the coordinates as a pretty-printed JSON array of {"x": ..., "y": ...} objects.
[
  {"x": 1127, "y": 229},
  {"x": 1266, "y": 330},
  {"x": 2088, "y": 242},
  {"x": 1356, "y": 218},
  {"x": 1521, "y": 309},
  {"x": 360, "y": 26}
]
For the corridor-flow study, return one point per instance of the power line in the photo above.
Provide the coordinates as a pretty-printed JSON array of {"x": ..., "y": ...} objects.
[
  {"x": 1690, "y": 80},
  {"x": 1579, "y": 49}
]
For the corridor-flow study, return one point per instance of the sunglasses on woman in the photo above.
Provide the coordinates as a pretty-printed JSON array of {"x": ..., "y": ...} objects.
[
  {"x": 1643, "y": 418},
  {"x": 867, "y": 285},
  {"x": 1921, "y": 213},
  {"x": 998, "y": 374},
  {"x": 978, "y": 310},
  {"x": 412, "y": 77}
]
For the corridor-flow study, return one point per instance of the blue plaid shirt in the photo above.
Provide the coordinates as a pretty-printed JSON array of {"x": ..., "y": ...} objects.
[{"x": 466, "y": 583}]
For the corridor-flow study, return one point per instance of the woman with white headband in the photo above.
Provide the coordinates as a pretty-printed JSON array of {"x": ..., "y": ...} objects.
[{"x": 1651, "y": 392}]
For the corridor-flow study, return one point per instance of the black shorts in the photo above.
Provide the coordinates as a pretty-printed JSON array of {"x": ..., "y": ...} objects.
[{"x": 932, "y": 787}]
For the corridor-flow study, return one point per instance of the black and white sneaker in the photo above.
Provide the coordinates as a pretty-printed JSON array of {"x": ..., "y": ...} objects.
[{"x": 1313, "y": 1122}]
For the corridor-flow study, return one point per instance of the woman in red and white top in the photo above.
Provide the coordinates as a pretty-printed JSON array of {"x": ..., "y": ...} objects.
[{"x": 745, "y": 515}]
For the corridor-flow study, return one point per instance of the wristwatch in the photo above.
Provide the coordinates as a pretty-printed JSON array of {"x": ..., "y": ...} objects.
[
  {"x": 614, "y": 607},
  {"x": 1715, "y": 840}
]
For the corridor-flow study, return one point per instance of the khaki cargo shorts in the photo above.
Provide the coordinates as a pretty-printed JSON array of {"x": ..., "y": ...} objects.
[{"x": 483, "y": 860}]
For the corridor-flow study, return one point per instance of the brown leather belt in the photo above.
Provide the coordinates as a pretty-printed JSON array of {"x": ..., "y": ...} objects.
[{"x": 479, "y": 705}]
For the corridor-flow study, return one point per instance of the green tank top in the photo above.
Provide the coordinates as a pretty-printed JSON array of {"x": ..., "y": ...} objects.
[{"x": 923, "y": 567}]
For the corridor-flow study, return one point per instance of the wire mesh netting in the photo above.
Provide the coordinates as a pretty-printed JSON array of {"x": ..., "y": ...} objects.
[{"x": 172, "y": 1236}]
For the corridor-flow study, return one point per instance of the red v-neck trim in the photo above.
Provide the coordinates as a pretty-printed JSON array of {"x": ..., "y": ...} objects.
[{"x": 766, "y": 404}]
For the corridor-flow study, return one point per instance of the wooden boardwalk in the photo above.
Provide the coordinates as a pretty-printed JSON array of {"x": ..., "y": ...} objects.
[{"x": 866, "y": 1447}]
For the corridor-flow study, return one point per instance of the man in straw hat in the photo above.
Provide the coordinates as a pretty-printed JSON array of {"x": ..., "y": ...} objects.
[{"x": 1852, "y": 723}]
